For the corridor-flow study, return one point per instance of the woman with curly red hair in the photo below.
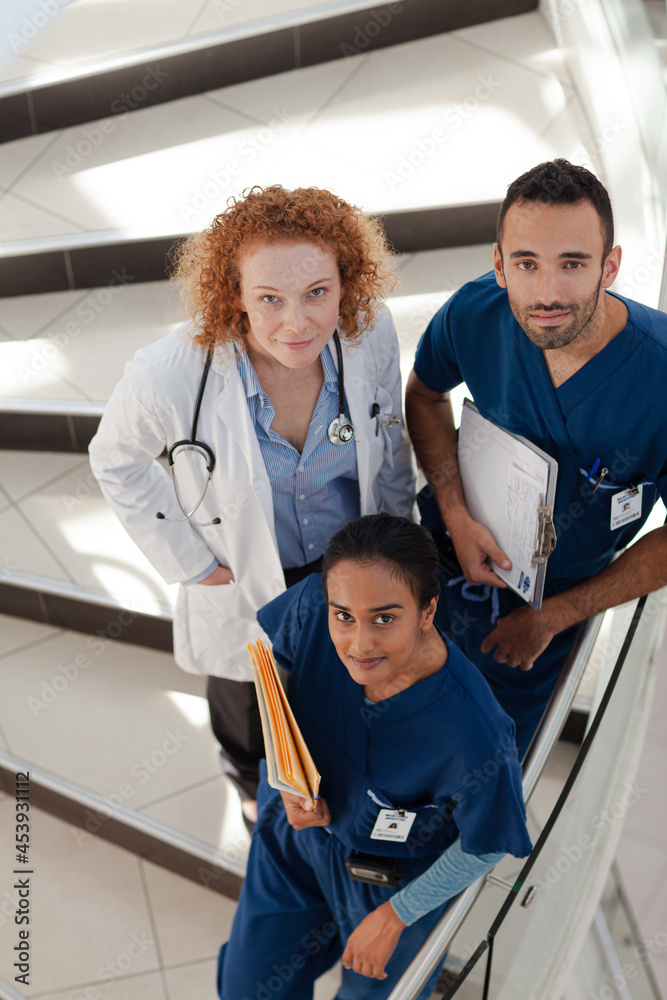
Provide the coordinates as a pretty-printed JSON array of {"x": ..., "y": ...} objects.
[{"x": 279, "y": 403}]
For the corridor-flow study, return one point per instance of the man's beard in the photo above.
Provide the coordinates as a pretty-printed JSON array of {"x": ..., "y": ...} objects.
[{"x": 549, "y": 339}]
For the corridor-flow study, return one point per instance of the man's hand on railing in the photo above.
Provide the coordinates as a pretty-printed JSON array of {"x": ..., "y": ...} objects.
[{"x": 372, "y": 943}]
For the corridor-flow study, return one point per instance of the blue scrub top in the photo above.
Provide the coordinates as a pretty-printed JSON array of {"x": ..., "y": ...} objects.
[
  {"x": 612, "y": 409},
  {"x": 442, "y": 748}
]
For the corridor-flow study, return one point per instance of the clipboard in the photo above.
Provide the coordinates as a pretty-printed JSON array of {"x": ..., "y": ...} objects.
[{"x": 509, "y": 485}]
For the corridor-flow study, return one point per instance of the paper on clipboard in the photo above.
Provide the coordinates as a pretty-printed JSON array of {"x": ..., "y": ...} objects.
[{"x": 505, "y": 480}]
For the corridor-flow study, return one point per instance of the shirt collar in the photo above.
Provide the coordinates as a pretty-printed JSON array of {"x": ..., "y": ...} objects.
[
  {"x": 330, "y": 373},
  {"x": 248, "y": 374}
]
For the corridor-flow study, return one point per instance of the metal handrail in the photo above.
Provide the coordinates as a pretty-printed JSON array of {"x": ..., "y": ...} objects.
[
  {"x": 436, "y": 944},
  {"x": 7, "y": 992},
  {"x": 232, "y": 861},
  {"x": 662, "y": 299}
]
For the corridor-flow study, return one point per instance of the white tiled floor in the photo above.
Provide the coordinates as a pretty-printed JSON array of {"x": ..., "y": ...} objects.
[
  {"x": 58, "y": 525},
  {"x": 104, "y": 919},
  {"x": 143, "y": 721},
  {"x": 74, "y": 345},
  {"x": 85, "y": 30},
  {"x": 398, "y": 128}
]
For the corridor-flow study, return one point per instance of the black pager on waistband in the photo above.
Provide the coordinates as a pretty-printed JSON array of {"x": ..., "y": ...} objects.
[{"x": 372, "y": 868}]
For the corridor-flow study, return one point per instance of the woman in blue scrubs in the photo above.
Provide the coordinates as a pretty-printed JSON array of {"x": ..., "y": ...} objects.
[{"x": 421, "y": 787}]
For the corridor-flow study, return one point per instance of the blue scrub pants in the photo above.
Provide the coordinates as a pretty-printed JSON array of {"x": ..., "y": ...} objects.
[
  {"x": 297, "y": 908},
  {"x": 466, "y": 613}
]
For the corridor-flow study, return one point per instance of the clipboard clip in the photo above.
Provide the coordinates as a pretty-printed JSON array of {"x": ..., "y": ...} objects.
[{"x": 546, "y": 535}]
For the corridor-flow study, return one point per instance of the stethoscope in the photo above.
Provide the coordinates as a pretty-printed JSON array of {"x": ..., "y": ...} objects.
[
  {"x": 193, "y": 445},
  {"x": 340, "y": 431}
]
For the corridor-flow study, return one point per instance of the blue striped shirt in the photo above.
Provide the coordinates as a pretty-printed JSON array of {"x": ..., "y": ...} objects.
[{"x": 315, "y": 492}]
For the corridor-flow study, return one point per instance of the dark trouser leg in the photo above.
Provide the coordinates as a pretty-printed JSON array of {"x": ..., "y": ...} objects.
[
  {"x": 283, "y": 936},
  {"x": 237, "y": 726}
]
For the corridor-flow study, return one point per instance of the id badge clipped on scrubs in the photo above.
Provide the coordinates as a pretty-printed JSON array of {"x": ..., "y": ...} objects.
[
  {"x": 393, "y": 824},
  {"x": 626, "y": 506}
]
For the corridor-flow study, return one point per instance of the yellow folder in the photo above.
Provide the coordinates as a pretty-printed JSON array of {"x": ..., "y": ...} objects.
[{"x": 290, "y": 766}]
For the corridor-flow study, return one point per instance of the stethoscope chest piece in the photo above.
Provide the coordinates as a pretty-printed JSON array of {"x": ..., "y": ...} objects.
[{"x": 340, "y": 430}]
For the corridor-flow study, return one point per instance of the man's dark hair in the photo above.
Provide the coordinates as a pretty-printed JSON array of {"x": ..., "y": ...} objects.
[
  {"x": 405, "y": 547},
  {"x": 559, "y": 182}
]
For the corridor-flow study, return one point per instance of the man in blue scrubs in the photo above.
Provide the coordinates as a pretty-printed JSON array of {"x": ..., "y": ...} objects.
[{"x": 549, "y": 353}]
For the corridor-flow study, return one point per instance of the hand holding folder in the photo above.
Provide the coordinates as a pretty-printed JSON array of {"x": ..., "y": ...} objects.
[{"x": 289, "y": 764}]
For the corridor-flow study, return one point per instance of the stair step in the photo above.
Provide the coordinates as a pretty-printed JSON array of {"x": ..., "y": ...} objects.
[
  {"x": 96, "y": 815},
  {"x": 112, "y": 260},
  {"x": 230, "y": 55},
  {"x": 150, "y": 777},
  {"x": 401, "y": 131},
  {"x": 62, "y": 353}
]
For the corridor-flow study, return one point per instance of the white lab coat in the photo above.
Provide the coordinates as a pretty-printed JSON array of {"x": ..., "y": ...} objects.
[{"x": 152, "y": 407}]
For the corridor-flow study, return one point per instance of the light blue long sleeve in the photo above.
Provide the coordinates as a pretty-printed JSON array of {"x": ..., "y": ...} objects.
[
  {"x": 453, "y": 871},
  {"x": 201, "y": 576}
]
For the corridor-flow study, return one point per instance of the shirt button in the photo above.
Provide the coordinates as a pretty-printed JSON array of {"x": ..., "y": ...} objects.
[
  {"x": 311, "y": 546},
  {"x": 302, "y": 497},
  {"x": 305, "y": 520}
]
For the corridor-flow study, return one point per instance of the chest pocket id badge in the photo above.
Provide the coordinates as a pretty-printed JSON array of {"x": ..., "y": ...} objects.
[
  {"x": 626, "y": 506},
  {"x": 393, "y": 824}
]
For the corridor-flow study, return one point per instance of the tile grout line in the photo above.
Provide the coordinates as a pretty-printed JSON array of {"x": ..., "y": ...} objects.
[
  {"x": 153, "y": 923},
  {"x": 122, "y": 978},
  {"x": 199, "y": 13},
  {"x": 34, "y": 530},
  {"x": 510, "y": 61},
  {"x": 569, "y": 101},
  {"x": 181, "y": 791},
  {"x": 55, "y": 215},
  {"x": 85, "y": 396},
  {"x": 228, "y": 107},
  {"x": 95, "y": 983},
  {"x": 52, "y": 319},
  {"x": 55, "y": 634},
  {"x": 36, "y": 159},
  {"x": 363, "y": 59},
  {"x": 15, "y": 501}
]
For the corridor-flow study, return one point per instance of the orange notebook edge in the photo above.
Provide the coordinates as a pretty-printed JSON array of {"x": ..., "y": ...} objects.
[
  {"x": 293, "y": 767},
  {"x": 285, "y": 735},
  {"x": 311, "y": 773}
]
